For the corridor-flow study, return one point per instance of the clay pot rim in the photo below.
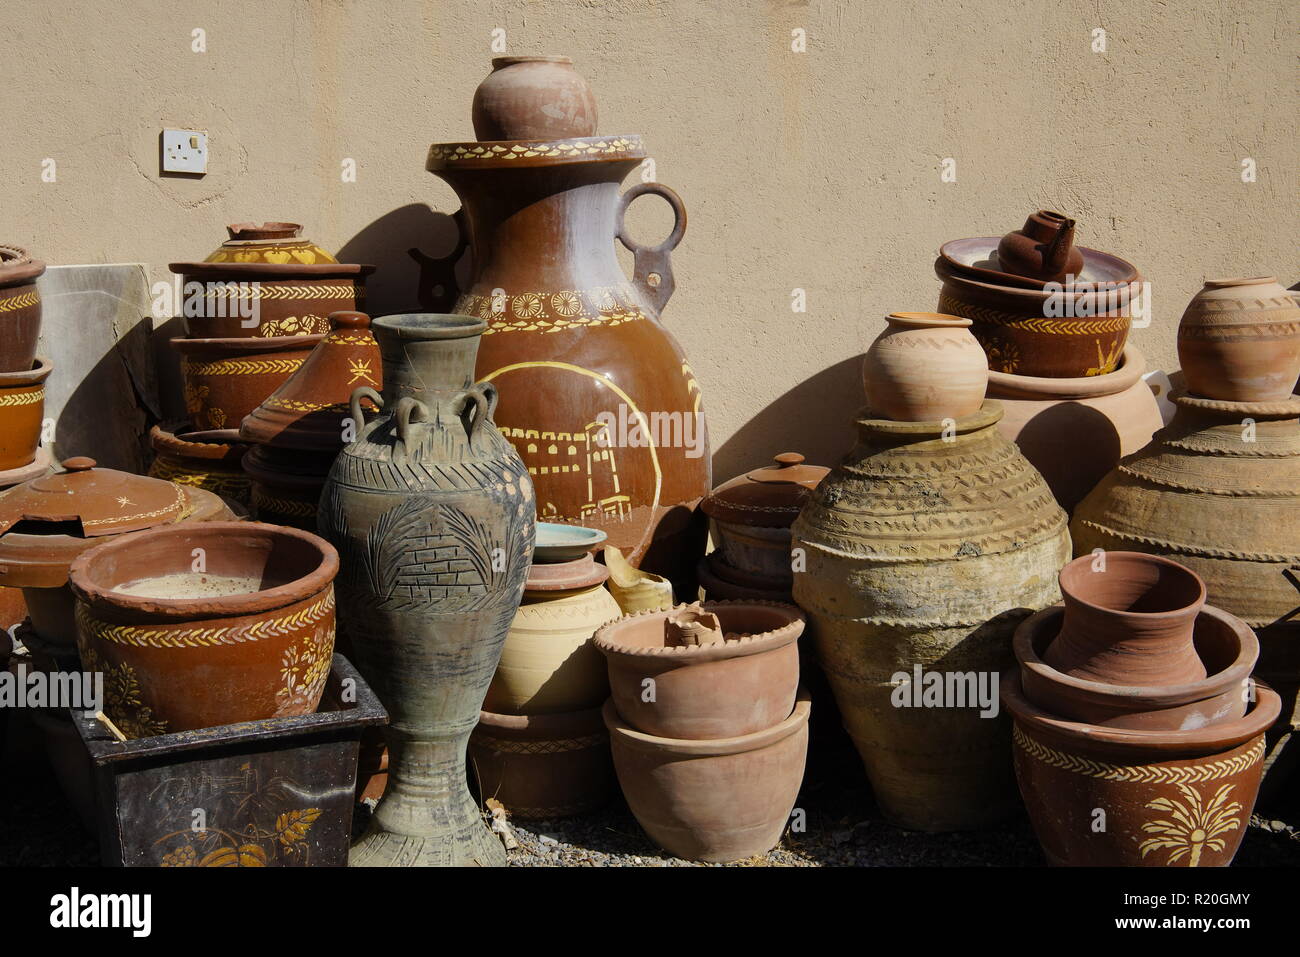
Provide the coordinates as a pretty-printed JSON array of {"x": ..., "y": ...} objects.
[
  {"x": 1239, "y": 281},
  {"x": 1282, "y": 408},
  {"x": 1132, "y": 743},
  {"x": 270, "y": 226},
  {"x": 989, "y": 413},
  {"x": 1131, "y": 289},
  {"x": 709, "y": 747},
  {"x": 215, "y": 444},
  {"x": 502, "y": 61},
  {"x": 189, "y": 347},
  {"x": 1008, "y": 280},
  {"x": 437, "y": 162},
  {"x": 536, "y": 726},
  {"x": 226, "y": 606},
  {"x": 697, "y": 654},
  {"x": 1139, "y": 558},
  {"x": 25, "y": 473},
  {"x": 244, "y": 272},
  {"x": 927, "y": 320},
  {"x": 38, "y": 373},
  {"x": 429, "y": 326},
  {"x": 576, "y": 575},
  {"x": 1028, "y": 632},
  {"x": 17, "y": 266},
  {"x": 1132, "y": 366}
]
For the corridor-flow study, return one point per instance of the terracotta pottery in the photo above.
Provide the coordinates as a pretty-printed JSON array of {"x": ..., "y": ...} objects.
[
  {"x": 1075, "y": 430},
  {"x": 20, "y": 309},
  {"x": 1223, "y": 642},
  {"x": 208, "y": 460},
  {"x": 596, "y": 394},
  {"x": 543, "y": 766},
  {"x": 925, "y": 367},
  {"x": 1066, "y": 332},
  {"x": 633, "y": 589},
  {"x": 1042, "y": 249},
  {"x": 226, "y": 379},
  {"x": 557, "y": 543},
  {"x": 548, "y": 664},
  {"x": 925, "y": 548},
  {"x": 1172, "y": 798},
  {"x": 533, "y": 98},
  {"x": 47, "y": 522},
  {"x": 1217, "y": 490},
  {"x": 433, "y": 514},
  {"x": 248, "y": 637},
  {"x": 1128, "y": 620},
  {"x": 709, "y": 689},
  {"x": 977, "y": 258},
  {"x": 267, "y": 282},
  {"x": 22, "y": 410},
  {"x": 1239, "y": 340},
  {"x": 714, "y": 800}
]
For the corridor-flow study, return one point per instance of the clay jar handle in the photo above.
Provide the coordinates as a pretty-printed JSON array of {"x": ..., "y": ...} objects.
[
  {"x": 481, "y": 398},
  {"x": 363, "y": 392},
  {"x": 652, "y": 268}
]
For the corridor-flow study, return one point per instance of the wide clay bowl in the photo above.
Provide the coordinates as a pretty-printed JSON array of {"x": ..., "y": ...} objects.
[
  {"x": 1223, "y": 642},
  {"x": 722, "y": 800},
  {"x": 226, "y": 379},
  {"x": 1170, "y": 798},
  {"x": 706, "y": 691},
  {"x": 250, "y": 636},
  {"x": 977, "y": 258},
  {"x": 22, "y": 410},
  {"x": 565, "y": 543},
  {"x": 543, "y": 765}
]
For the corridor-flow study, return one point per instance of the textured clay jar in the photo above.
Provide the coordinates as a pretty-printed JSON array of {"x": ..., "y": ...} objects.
[
  {"x": 207, "y": 460},
  {"x": 1075, "y": 430},
  {"x": 22, "y": 410},
  {"x": 1128, "y": 620},
  {"x": 1042, "y": 248},
  {"x": 20, "y": 309},
  {"x": 925, "y": 367},
  {"x": 226, "y": 379},
  {"x": 715, "y": 800},
  {"x": 533, "y": 98},
  {"x": 1239, "y": 340},
  {"x": 926, "y": 547},
  {"x": 433, "y": 515},
  {"x": 249, "y": 638}
]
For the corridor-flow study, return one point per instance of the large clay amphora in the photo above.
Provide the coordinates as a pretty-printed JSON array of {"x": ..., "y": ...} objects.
[{"x": 432, "y": 512}]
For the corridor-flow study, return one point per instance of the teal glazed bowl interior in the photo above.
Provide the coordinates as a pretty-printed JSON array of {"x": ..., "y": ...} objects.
[{"x": 564, "y": 543}]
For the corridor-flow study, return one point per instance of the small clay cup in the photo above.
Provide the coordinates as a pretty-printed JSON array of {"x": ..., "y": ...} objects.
[
  {"x": 533, "y": 98},
  {"x": 924, "y": 368},
  {"x": 1128, "y": 621}
]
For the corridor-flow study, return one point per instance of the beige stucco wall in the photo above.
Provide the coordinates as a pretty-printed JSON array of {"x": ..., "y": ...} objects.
[{"x": 816, "y": 170}]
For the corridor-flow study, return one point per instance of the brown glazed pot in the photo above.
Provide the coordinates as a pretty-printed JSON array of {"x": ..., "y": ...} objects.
[
  {"x": 705, "y": 691},
  {"x": 286, "y": 484},
  {"x": 1042, "y": 249},
  {"x": 925, "y": 367},
  {"x": 1226, "y": 645},
  {"x": 182, "y": 657},
  {"x": 226, "y": 379},
  {"x": 22, "y": 410},
  {"x": 533, "y": 98},
  {"x": 1075, "y": 430},
  {"x": 1171, "y": 798},
  {"x": 543, "y": 766},
  {"x": 576, "y": 350},
  {"x": 266, "y": 282},
  {"x": 1239, "y": 340},
  {"x": 720, "y": 800},
  {"x": 20, "y": 309},
  {"x": 1068, "y": 333},
  {"x": 207, "y": 460},
  {"x": 1128, "y": 620}
]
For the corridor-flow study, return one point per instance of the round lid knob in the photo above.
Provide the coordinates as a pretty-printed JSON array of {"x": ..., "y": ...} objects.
[
  {"x": 346, "y": 319},
  {"x": 79, "y": 463},
  {"x": 788, "y": 458}
]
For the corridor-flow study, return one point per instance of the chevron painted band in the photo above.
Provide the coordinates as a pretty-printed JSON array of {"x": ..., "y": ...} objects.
[
  {"x": 468, "y": 152},
  {"x": 258, "y": 630},
  {"x": 1138, "y": 773},
  {"x": 540, "y": 747},
  {"x": 282, "y": 506},
  {"x": 293, "y": 405},
  {"x": 23, "y": 398},
  {"x": 252, "y": 290},
  {"x": 22, "y": 301},
  {"x": 1245, "y": 330},
  {"x": 243, "y": 367},
  {"x": 233, "y": 484},
  {"x": 1062, "y": 326}
]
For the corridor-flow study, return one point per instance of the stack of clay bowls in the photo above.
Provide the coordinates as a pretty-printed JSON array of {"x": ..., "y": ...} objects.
[
  {"x": 708, "y": 725},
  {"x": 540, "y": 747},
  {"x": 1139, "y": 733},
  {"x": 1054, "y": 321},
  {"x": 297, "y": 431}
]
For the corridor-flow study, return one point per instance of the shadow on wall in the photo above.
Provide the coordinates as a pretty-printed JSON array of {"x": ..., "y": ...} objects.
[
  {"x": 815, "y": 418},
  {"x": 416, "y": 250}
]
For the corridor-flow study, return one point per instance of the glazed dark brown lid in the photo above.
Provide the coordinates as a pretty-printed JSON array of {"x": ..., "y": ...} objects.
[
  {"x": 769, "y": 497},
  {"x": 16, "y": 266}
]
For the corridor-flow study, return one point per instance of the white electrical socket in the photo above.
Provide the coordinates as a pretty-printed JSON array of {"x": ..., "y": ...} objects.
[{"x": 185, "y": 151}]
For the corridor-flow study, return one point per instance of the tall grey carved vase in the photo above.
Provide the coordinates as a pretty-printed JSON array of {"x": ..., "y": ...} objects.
[{"x": 433, "y": 514}]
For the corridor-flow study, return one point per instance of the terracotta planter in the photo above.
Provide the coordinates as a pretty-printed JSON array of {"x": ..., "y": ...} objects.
[
  {"x": 1223, "y": 642},
  {"x": 713, "y": 800},
  {"x": 433, "y": 515},
  {"x": 267, "y": 282},
  {"x": 543, "y": 766},
  {"x": 1075, "y": 430},
  {"x": 925, "y": 548},
  {"x": 20, "y": 309},
  {"x": 1172, "y": 798},
  {"x": 248, "y": 638},
  {"x": 226, "y": 379},
  {"x": 925, "y": 367},
  {"x": 533, "y": 98},
  {"x": 22, "y": 410},
  {"x": 548, "y": 664},
  {"x": 576, "y": 350},
  {"x": 1067, "y": 333},
  {"x": 1042, "y": 249},
  {"x": 1239, "y": 340},
  {"x": 208, "y": 460}
]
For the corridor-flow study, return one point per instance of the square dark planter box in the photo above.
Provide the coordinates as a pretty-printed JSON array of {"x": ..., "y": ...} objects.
[{"x": 276, "y": 793}]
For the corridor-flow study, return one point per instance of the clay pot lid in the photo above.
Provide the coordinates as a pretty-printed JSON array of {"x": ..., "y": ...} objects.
[
  {"x": 236, "y": 347},
  {"x": 565, "y": 543},
  {"x": 218, "y": 446},
  {"x": 581, "y": 572},
  {"x": 307, "y": 411},
  {"x": 976, "y": 258},
  {"x": 513, "y": 154},
  {"x": 271, "y": 250},
  {"x": 16, "y": 266},
  {"x": 770, "y": 496}
]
